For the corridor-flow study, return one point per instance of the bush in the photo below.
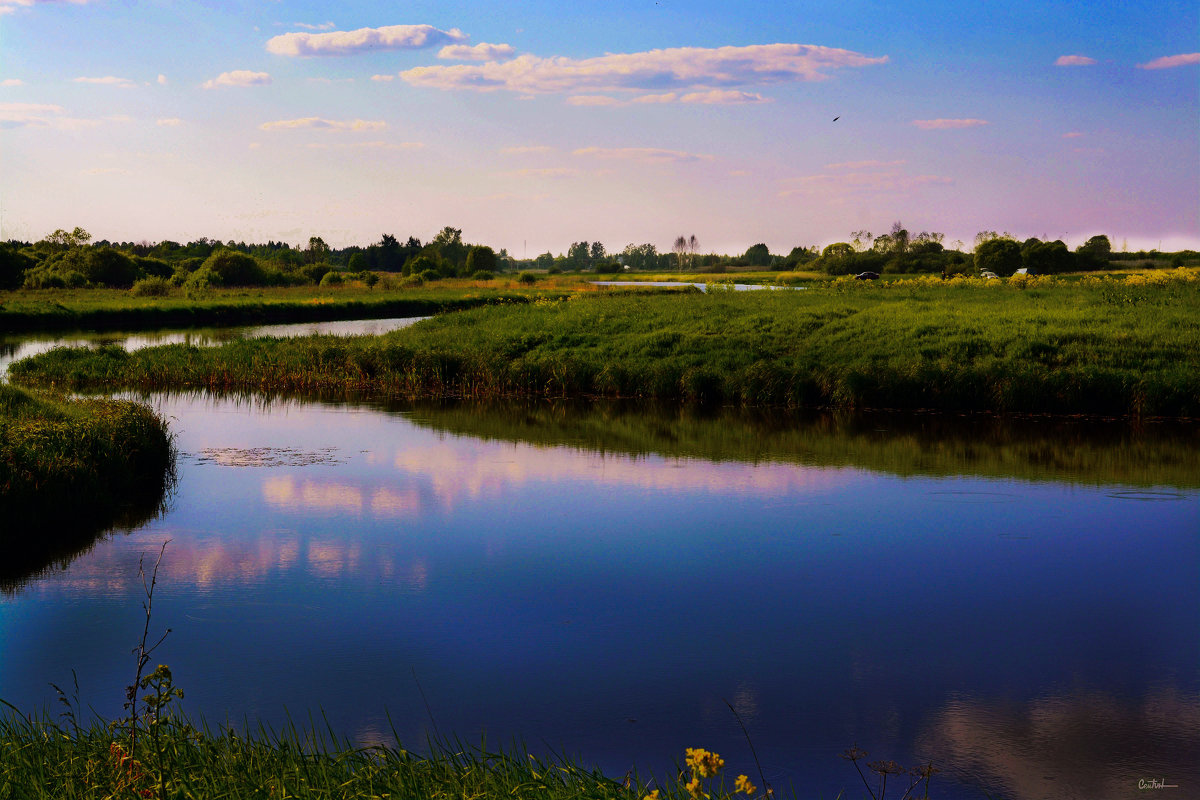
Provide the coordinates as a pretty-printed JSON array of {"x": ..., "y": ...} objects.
[
  {"x": 13, "y": 264},
  {"x": 151, "y": 287},
  {"x": 482, "y": 275},
  {"x": 554, "y": 271},
  {"x": 332, "y": 278},
  {"x": 428, "y": 275},
  {"x": 1001, "y": 256},
  {"x": 110, "y": 267},
  {"x": 527, "y": 278},
  {"x": 235, "y": 269},
  {"x": 481, "y": 259},
  {"x": 201, "y": 283},
  {"x": 152, "y": 267}
]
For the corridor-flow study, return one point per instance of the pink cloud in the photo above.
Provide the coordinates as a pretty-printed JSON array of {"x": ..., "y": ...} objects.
[
  {"x": 341, "y": 43},
  {"x": 947, "y": 124},
  {"x": 1074, "y": 61},
  {"x": 651, "y": 155},
  {"x": 480, "y": 52},
  {"x": 865, "y": 164},
  {"x": 696, "y": 68},
  {"x": 1072, "y": 135},
  {"x": 1166, "y": 62}
]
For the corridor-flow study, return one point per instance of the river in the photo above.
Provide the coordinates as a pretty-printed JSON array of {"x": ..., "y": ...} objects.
[{"x": 1016, "y": 601}]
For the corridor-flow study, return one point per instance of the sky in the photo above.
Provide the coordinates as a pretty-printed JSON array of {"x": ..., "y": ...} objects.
[{"x": 532, "y": 125}]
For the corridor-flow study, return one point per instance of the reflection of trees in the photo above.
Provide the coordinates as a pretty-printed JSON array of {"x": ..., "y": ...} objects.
[
  {"x": 1085, "y": 746},
  {"x": 1072, "y": 451},
  {"x": 35, "y": 546}
]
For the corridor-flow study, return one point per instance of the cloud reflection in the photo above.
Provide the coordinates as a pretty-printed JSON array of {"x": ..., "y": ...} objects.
[{"x": 1087, "y": 745}]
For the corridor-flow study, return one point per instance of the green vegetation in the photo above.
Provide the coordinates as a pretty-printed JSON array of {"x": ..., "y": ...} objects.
[
  {"x": 200, "y": 303},
  {"x": 74, "y": 467},
  {"x": 1103, "y": 346},
  {"x": 1035, "y": 449}
]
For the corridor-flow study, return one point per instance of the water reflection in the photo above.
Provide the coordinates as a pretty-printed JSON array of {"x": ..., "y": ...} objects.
[{"x": 1077, "y": 746}]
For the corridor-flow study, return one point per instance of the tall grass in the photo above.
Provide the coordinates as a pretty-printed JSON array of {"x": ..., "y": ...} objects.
[
  {"x": 1102, "y": 347},
  {"x": 69, "y": 468}
]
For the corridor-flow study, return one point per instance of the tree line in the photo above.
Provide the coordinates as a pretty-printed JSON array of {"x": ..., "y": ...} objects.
[{"x": 70, "y": 259}]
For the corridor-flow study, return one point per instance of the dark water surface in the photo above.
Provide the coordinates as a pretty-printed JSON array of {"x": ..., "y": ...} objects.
[{"x": 1017, "y": 603}]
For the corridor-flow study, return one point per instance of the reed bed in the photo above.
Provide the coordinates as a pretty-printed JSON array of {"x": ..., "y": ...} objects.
[
  {"x": 1118, "y": 347},
  {"x": 80, "y": 461},
  {"x": 42, "y": 759}
]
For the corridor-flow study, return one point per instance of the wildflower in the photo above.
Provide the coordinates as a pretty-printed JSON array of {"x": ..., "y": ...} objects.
[
  {"x": 704, "y": 763},
  {"x": 652, "y": 796},
  {"x": 693, "y": 788},
  {"x": 743, "y": 784}
]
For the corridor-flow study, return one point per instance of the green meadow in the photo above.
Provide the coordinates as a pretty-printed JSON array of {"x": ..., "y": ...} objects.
[{"x": 1110, "y": 346}]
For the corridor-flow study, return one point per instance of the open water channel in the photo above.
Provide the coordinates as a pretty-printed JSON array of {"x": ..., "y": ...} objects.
[{"x": 1017, "y": 601}]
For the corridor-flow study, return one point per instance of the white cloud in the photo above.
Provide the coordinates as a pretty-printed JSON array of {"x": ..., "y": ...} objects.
[
  {"x": 524, "y": 149},
  {"x": 20, "y": 115},
  {"x": 107, "y": 80},
  {"x": 865, "y": 164},
  {"x": 341, "y": 43},
  {"x": 593, "y": 100},
  {"x": 1166, "y": 62},
  {"x": 480, "y": 52},
  {"x": 169, "y": 122},
  {"x": 12, "y": 82},
  {"x": 372, "y": 145},
  {"x": 858, "y": 184},
  {"x": 9, "y": 6},
  {"x": 324, "y": 26},
  {"x": 330, "y": 81},
  {"x": 543, "y": 172},
  {"x": 947, "y": 124},
  {"x": 162, "y": 80},
  {"x": 384, "y": 78},
  {"x": 238, "y": 77},
  {"x": 696, "y": 68},
  {"x": 723, "y": 97},
  {"x": 648, "y": 155},
  {"x": 1074, "y": 61},
  {"x": 105, "y": 171},
  {"x": 317, "y": 123}
]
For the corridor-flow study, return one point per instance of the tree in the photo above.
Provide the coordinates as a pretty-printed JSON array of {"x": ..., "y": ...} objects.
[
  {"x": 862, "y": 240},
  {"x": 449, "y": 245},
  {"x": 1094, "y": 253},
  {"x": 1046, "y": 258},
  {"x": 481, "y": 259},
  {"x": 640, "y": 256},
  {"x": 758, "y": 255},
  {"x": 597, "y": 253},
  {"x": 579, "y": 256},
  {"x": 13, "y": 264},
  {"x": 680, "y": 250},
  {"x": 234, "y": 268},
  {"x": 693, "y": 244},
  {"x": 110, "y": 267},
  {"x": 61, "y": 240},
  {"x": 317, "y": 250},
  {"x": 1001, "y": 256}
]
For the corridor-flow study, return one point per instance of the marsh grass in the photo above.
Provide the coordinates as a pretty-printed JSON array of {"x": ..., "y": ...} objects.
[
  {"x": 959, "y": 345},
  {"x": 70, "y": 468}
]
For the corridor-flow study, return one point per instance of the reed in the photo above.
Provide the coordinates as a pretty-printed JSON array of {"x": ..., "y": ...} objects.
[{"x": 1102, "y": 347}]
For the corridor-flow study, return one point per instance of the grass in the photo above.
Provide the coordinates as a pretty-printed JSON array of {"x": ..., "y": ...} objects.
[
  {"x": 1101, "y": 346},
  {"x": 114, "y": 309},
  {"x": 69, "y": 468}
]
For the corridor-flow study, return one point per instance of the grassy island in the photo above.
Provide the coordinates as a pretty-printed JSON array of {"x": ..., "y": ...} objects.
[
  {"x": 70, "y": 468},
  {"x": 1102, "y": 346}
]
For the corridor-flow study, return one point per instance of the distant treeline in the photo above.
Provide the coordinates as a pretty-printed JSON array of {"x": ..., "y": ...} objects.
[{"x": 71, "y": 259}]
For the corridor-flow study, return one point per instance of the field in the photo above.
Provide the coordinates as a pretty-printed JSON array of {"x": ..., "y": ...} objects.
[{"x": 1100, "y": 346}]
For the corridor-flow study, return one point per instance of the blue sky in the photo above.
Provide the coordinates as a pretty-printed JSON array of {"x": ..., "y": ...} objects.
[{"x": 533, "y": 125}]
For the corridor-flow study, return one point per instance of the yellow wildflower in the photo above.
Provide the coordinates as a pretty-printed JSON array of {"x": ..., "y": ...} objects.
[
  {"x": 703, "y": 763},
  {"x": 743, "y": 784},
  {"x": 652, "y": 796},
  {"x": 693, "y": 788}
]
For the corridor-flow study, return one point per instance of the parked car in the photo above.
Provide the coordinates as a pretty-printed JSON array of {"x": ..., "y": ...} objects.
[
  {"x": 988, "y": 274},
  {"x": 867, "y": 276}
]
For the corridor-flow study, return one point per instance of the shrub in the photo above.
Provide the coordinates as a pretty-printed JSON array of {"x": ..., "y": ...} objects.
[
  {"x": 110, "y": 267},
  {"x": 1001, "y": 256},
  {"x": 429, "y": 275},
  {"x": 234, "y": 268},
  {"x": 332, "y": 278},
  {"x": 527, "y": 278},
  {"x": 482, "y": 275},
  {"x": 554, "y": 271},
  {"x": 151, "y": 287},
  {"x": 481, "y": 259},
  {"x": 201, "y": 283}
]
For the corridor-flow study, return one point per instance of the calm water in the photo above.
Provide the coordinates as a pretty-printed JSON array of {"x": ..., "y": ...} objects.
[{"x": 1022, "y": 610}]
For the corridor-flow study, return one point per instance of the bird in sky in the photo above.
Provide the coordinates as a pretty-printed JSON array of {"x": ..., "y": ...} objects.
[{"x": 835, "y": 119}]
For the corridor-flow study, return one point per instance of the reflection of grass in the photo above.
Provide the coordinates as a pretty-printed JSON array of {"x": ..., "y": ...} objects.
[
  {"x": 916, "y": 344},
  {"x": 69, "y": 468},
  {"x": 1072, "y": 451}
]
